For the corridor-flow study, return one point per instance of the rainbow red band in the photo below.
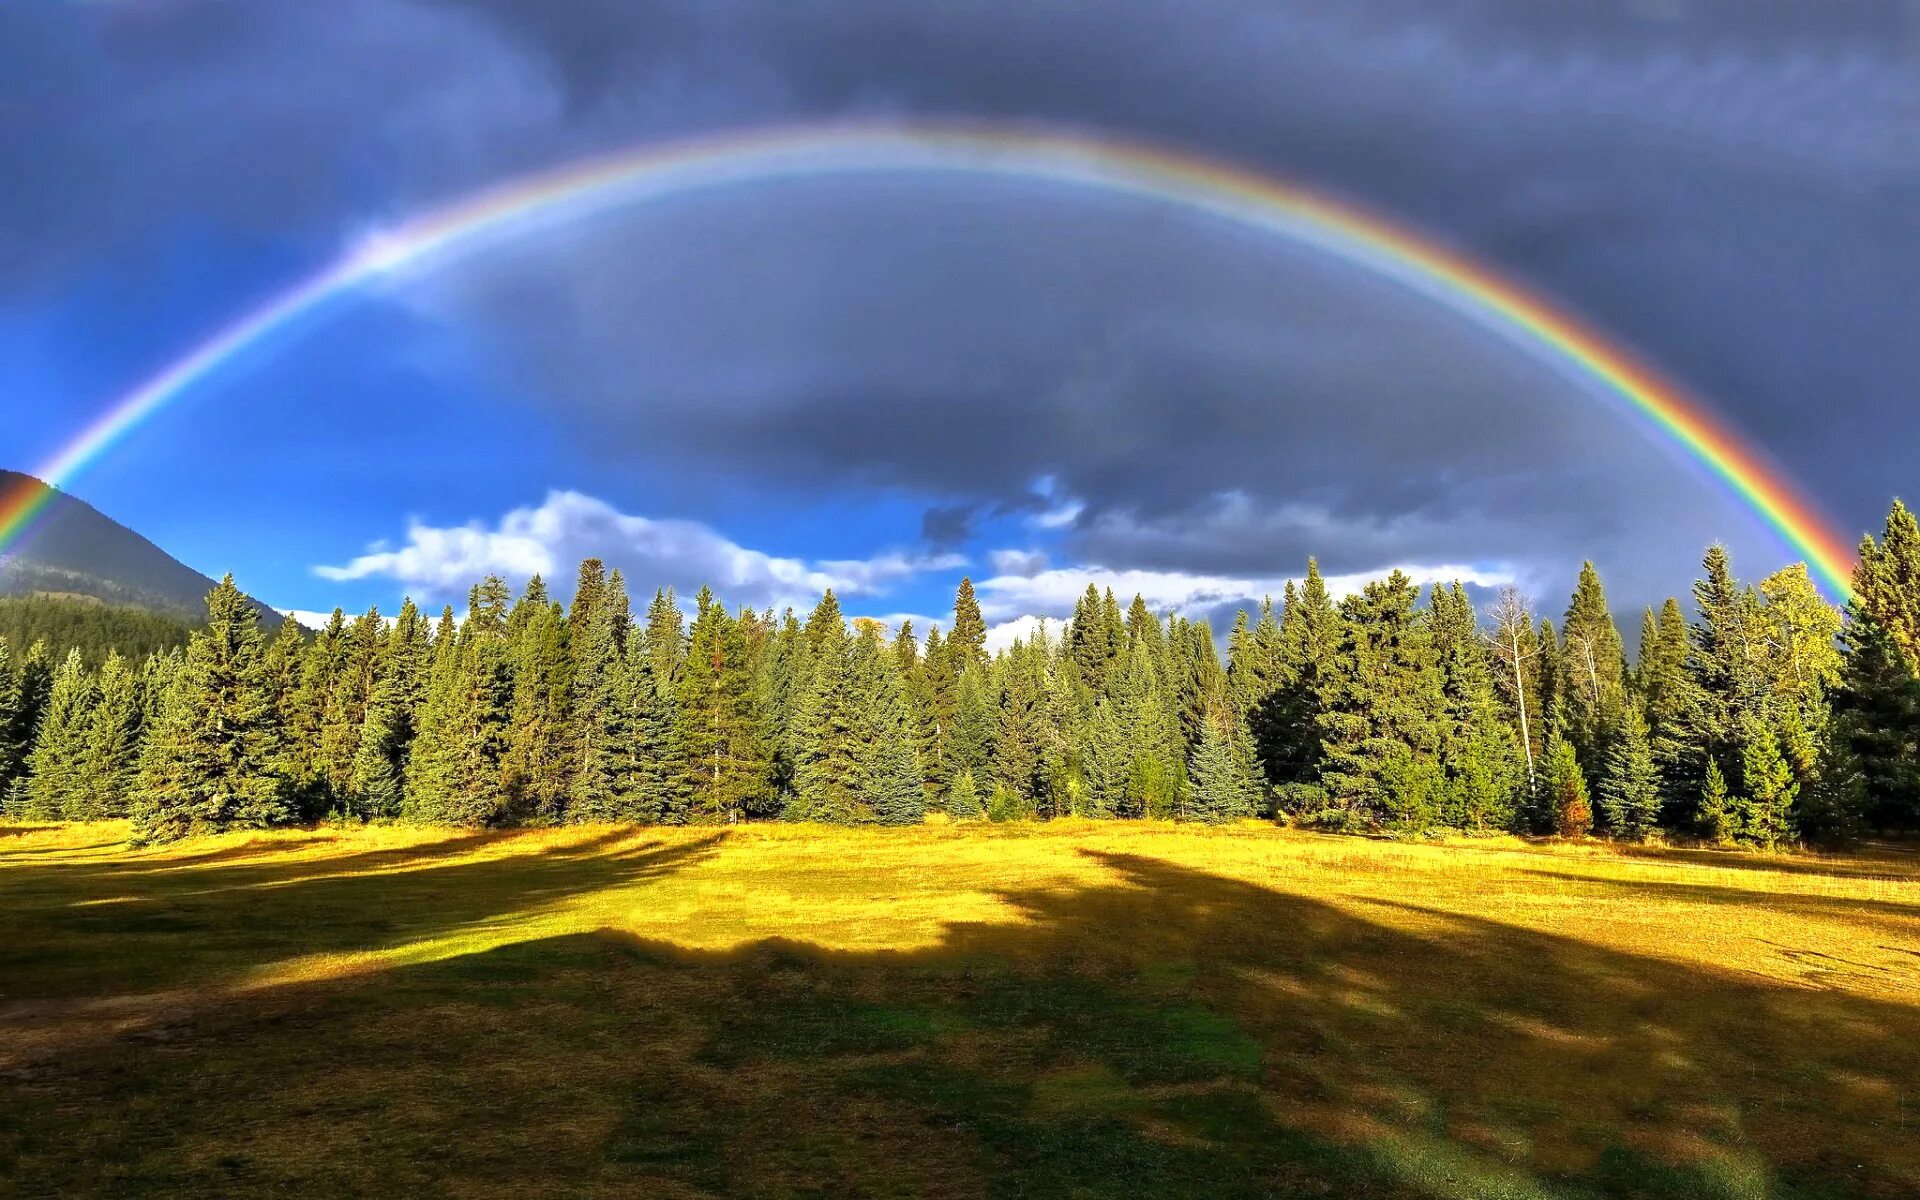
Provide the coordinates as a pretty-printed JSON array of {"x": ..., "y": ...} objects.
[{"x": 1225, "y": 191}]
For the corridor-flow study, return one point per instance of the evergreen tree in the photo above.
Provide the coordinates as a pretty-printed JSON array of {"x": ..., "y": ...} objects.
[
  {"x": 1767, "y": 786},
  {"x": 1669, "y": 696},
  {"x": 1595, "y": 682},
  {"x": 1106, "y": 760},
  {"x": 345, "y": 709},
  {"x": 1286, "y": 726},
  {"x": 601, "y": 735},
  {"x": 113, "y": 741},
  {"x": 728, "y": 770},
  {"x": 1483, "y": 769},
  {"x": 458, "y": 773},
  {"x": 968, "y": 641},
  {"x": 891, "y": 765},
  {"x": 1222, "y": 788},
  {"x": 210, "y": 762},
  {"x": 1382, "y": 711},
  {"x": 13, "y": 754},
  {"x": 378, "y": 779},
  {"x": 1630, "y": 786},
  {"x": 657, "y": 788},
  {"x": 1567, "y": 789},
  {"x": 542, "y": 747},
  {"x": 57, "y": 767},
  {"x": 1718, "y": 812},
  {"x": 970, "y": 742},
  {"x": 1877, "y": 705},
  {"x": 963, "y": 802}
]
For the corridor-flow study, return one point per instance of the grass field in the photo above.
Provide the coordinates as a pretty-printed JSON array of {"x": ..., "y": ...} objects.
[{"x": 1062, "y": 1010}]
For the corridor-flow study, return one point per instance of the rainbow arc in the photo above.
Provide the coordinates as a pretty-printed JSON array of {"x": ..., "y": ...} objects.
[{"x": 1229, "y": 192}]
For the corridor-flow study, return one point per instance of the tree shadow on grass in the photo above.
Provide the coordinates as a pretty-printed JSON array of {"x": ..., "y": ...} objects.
[
  {"x": 1163, "y": 1033},
  {"x": 1893, "y": 862},
  {"x": 182, "y": 937}
]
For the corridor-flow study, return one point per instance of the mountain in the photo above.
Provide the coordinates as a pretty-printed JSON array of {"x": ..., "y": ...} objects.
[{"x": 72, "y": 549}]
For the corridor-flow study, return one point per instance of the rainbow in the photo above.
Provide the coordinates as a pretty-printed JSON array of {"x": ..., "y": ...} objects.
[{"x": 1228, "y": 192}]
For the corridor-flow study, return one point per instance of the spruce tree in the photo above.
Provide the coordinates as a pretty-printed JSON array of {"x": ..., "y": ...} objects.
[
  {"x": 1718, "y": 812},
  {"x": 600, "y": 741},
  {"x": 1383, "y": 713},
  {"x": 1767, "y": 786},
  {"x": 13, "y": 754},
  {"x": 828, "y": 767},
  {"x": 1566, "y": 787},
  {"x": 728, "y": 770},
  {"x": 56, "y": 769},
  {"x": 1630, "y": 786},
  {"x": 1595, "y": 681},
  {"x": 211, "y": 759},
  {"x": 1483, "y": 768},
  {"x": 1286, "y": 725},
  {"x": 1877, "y": 705},
  {"x": 378, "y": 778},
  {"x": 967, "y": 643},
  {"x": 1106, "y": 758},
  {"x": 891, "y": 765},
  {"x": 1221, "y": 789},
  {"x": 963, "y": 802},
  {"x": 113, "y": 741}
]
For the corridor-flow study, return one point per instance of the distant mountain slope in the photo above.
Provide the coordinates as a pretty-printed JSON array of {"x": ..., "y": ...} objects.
[{"x": 72, "y": 549}]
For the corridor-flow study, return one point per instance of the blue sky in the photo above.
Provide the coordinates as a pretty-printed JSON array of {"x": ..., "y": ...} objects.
[{"x": 881, "y": 384}]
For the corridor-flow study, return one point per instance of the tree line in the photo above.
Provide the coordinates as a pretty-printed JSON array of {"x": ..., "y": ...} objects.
[{"x": 1766, "y": 716}]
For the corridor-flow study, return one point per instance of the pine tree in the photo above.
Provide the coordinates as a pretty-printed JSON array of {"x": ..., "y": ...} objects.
[
  {"x": 1483, "y": 769},
  {"x": 657, "y": 789},
  {"x": 345, "y": 710},
  {"x": 302, "y": 712},
  {"x": 1019, "y": 763},
  {"x": 1718, "y": 812},
  {"x": 891, "y": 765},
  {"x": 1669, "y": 696},
  {"x": 728, "y": 770},
  {"x": 1106, "y": 758},
  {"x": 1222, "y": 789},
  {"x": 13, "y": 754},
  {"x": 968, "y": 641},
  {"x": 1630, "y": 786},
  {"x": 1382, "y": 713},
  {"x": 377, "y": 779},
  {"x": 1566, "y": 787},
  {"x": 29, "y": 692},
  {"x": 1595, "y": 682},
  {"x": 56, "y": 769},
  {"x": 1877, "y": 705},
  {"x": 963, "y": 802},
  {"x": 541, "y": 742},
  {"x": 1286, "y": 726},
  {"x": 113, "y": 740},
  {"x": 211, "y": 759},
  {"x": 1767, "y": 786},
  {"x": 600, "y": 740},
  {"x": 828, "y": 769},
  {"x": 458, "y": 773}
]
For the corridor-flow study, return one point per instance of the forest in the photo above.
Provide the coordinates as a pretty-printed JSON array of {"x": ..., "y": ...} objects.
[{"x": 1763, "y": 716}]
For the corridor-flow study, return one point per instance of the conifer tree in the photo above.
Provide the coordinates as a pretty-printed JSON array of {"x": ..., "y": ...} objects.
[
  {"x": 891, "y": 765},
  {"x": 728, "y": 770},
  {"x": 210, "y": 762},
  {"x": 1669, "y": 696},
  {"x": 600, "y": 742},
  {"x": 963, "y": 802},
  {"x": 1877, "y": 705},
  {"x": 1630, "y": 786},
  {"x": 1287, "y": 727},
  {"x": 1718, "y": 811},
  {"x": 657, "y": 789},
  {"x": 1382, "y": 712},
  {"x": 1595, "y": 680},
  {"x": 32, "y": 683},
  {"x": 113, "y": 741},
  {"x": 1222, "y": 788},
  {"x": 1566, "y": 787},
  {"x": 1106, "y": 759},
  {"x": 970, "y": 742},
  {"x": 967, "y": 643},
  {"x": 458, "y": 773},
  {"x": 13, "y": 754},
  {"x": 345, "y": 708},
  {"x": 1019, "y": 763},
  {"x": 1516, "y": 680},
  {"x": 376, "y": 782},
  {"x": 56, "y": 769},
  {"x": 665, "y": 640},
  {"x": 1767, "y": 786},
  {"x": 1483, "y": 770},
  {"x": 541, "y": 749},
  {"x": 302, "y": 712},
  {"x": 828, "y": 767}
]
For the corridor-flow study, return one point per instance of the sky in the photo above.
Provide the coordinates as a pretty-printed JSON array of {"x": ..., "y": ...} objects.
[{"x": 881, "y": 383}]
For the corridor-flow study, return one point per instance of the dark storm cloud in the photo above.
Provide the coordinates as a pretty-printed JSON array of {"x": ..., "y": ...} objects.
[{"x": 1733, "y": 187}]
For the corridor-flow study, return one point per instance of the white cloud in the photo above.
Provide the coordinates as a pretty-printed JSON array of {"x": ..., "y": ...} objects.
[
  {"x": 1018, "y": 562},
  {"x": 1010, "y": 599},
  {"x": 552, "y": 538}
]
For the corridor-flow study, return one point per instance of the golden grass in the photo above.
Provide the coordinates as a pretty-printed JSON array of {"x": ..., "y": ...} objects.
[{"x": 1487, "y": 1017}]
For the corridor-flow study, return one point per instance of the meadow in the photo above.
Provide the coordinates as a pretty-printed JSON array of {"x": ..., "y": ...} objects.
[{"x": 1061, "y": 1009}]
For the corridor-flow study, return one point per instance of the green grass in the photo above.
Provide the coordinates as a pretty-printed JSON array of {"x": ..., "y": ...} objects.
[{"x": 1063, "y": 1011}]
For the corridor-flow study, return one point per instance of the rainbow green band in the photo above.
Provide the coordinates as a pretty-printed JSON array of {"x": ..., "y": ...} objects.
[{"x": 1229, "y": 192}]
